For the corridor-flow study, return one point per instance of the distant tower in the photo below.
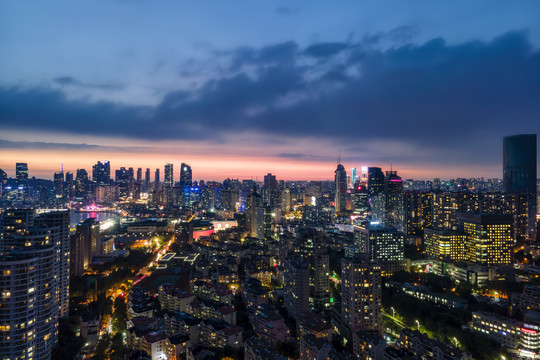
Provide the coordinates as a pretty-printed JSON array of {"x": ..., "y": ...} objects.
[
  {"x": 101, "y": 173},
  {"x": 186, "y": 176},
  {"x": 169, "y": 175},
  {"x": 341, "y": 189},
  {"x": 519, "y": 171},
  {"x": 375, "y": 181},
  {"x": 21, "y": 170}
]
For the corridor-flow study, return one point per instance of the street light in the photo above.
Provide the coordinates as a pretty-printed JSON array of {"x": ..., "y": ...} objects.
[
  {"x": 393, "y": 312},
  {"x": 418, "y": 324}
]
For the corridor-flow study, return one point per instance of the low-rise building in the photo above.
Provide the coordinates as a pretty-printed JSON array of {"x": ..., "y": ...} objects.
[
  {"x": 368, "y": 345},
  {"x": 257, "y": 349},
  {"x": 310, "y": 322},
  {"x": 423, "y": 346}
]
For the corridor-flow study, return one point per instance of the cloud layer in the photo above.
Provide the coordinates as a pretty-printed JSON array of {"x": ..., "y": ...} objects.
[{"x": 430, "y": 103}]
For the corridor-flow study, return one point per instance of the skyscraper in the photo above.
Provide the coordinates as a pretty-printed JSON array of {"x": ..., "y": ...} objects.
[
  {"x": 21, "y": 170},
  {"x": 59, "y": 184},
  {"x": 271, "y": 191},
  {"x": 341, "y": 189},
  {"x": 81, "y": 183},
  {"x": 156, "y": 180},
  {"x": 519, "y": 170},
  {"x": 169, "y": 175},
  {"x": 296, "y": 286},
  {"x": 123, "y": 181},
  {"x": 34, "y": 281},
  {"x": 185, "y": 175},
  {"x": 139, "y": 175},
  {"x": 147, "y": 180},
  {"x": 375, "y": 181},
  {"x": 69, "y": 186},
  {"x": 185, "y": 184},
  {"x": 101, "y": 173},
  {"x": 354, "y": 176}
]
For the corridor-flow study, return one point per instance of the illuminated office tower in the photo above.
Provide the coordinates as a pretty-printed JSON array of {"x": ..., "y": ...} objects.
[
  {"x": 354, "y": 176},
  {"x": 519, "y": 171},
  {"x": 296, "y": 286},
  {"x": 446, "y": 245},
  {"x": 341, "y": 189},
  {"x": 490, "y": 238},
  {"x": 101, "y": 173},
  {"x": 361, "y": 199},
  {"x": 364, "y": 174},
  {"x": 286, "y": 200},
  {"x": 21, "y": 173},
  {"x": 361, "y": 293},
  {"x": 186, "y": 180},
  {"x": 59, "y": 184},
  {"x": 375, "y": 181},
  {"x": 382, "y": 243},
  {"x": 169, "y": 175}
]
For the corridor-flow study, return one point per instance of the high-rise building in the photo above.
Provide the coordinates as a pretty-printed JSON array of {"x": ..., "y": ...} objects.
[
  {"x": 34, "y": 281},
  {"x": 364, "y": 174},
  {"x": 84, "y": 245},
  {"x": 341, "y": 189},
  {"x": 186, "y": 176},
  {"x": 354, "y": 176},
  {"x": 81, "y": 183},
  {"x": 70, "y": 186},
  {"x": 123, "y": 181},
  {"x": 21, "y": 173},
  {"x": 296, "y": 286},
  {"x": 519, "y": 171},
  {"x": 489, "y": 238},
  {"x": 139, "y": 175},
  {"x": 59, "y": 184},
  {"x": 361, "y": 199},
  {"x": 361, "y": 293},
  {"x": 28, "y": 311},
  {"x": 101, "y": 173},
  {"x": 375, "y": 181},
  {"x": 382, "y": 243},
  {"x": 147, "y": 180},
  {"x": 254, "y": 215},
  {"x": 169, "y": 175},
  {"x": 270, "y": 190}
]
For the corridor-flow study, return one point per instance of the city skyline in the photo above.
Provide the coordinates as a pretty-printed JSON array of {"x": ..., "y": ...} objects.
[{"x": 409, "y": 88}]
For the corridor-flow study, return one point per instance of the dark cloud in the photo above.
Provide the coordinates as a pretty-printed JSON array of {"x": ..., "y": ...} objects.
[
  {"x": 439, "y": 102},
  {"x": 71, "y": 81},
  {"x": 39, "y": 145},
  {"x": 283, "y": 54},
  {"x": 325, "y": 49}
]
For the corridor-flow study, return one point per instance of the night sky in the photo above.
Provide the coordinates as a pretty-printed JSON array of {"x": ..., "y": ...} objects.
[{"x": 242, "y": 88}]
